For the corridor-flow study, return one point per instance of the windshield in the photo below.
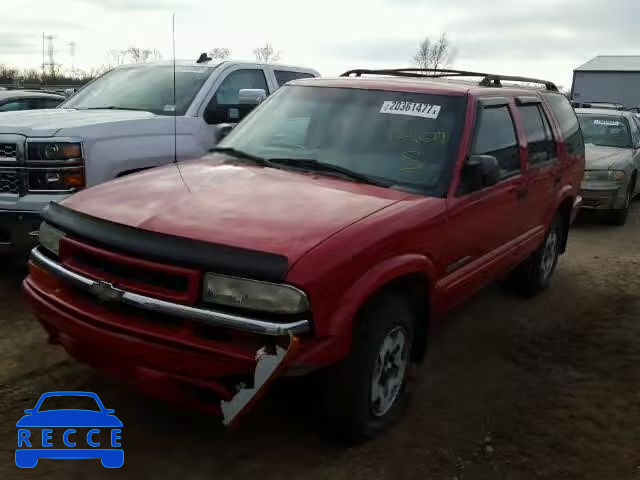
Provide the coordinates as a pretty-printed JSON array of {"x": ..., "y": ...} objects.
[
  {"x": 404, "y": 140},
  {"x": 148, "y": 88},
  {"x": 605, "y": 130}
]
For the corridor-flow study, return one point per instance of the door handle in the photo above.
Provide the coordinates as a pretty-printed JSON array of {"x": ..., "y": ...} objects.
[{"x": 522, "y": 193}]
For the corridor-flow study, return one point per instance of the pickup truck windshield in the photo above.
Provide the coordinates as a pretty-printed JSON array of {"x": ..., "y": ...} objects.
[
  {"x": 404, "y": 140},
  {"x": 143, "y": 87},
  {"x": 605, "y": 130}
]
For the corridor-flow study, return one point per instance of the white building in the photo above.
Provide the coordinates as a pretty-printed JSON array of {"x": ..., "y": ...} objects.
[{"x": 608, "y": 78}]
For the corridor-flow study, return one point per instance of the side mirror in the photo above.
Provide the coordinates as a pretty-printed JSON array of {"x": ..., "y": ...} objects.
[
  {"x": 251, "y": 96},
  {"x": 29, "y": 411},
  {"x": 109, "y": 411},
  {"x": 223, "y": 129},
  {"x": 480, "y": 171},
  {"x": 222, "y": 114},
  {"x": 69, "y": 91}
]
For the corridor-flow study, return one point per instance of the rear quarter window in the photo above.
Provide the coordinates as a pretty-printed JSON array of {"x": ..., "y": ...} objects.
[
  {"x": 569, "y": 125},
  {"x": 284, "y": 76}
]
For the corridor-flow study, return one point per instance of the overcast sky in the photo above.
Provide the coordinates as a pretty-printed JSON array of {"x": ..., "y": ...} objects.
[{"x": 541, "y": 38}]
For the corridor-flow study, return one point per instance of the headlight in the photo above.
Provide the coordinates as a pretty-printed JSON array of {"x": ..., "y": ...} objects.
[
  {"x": 49, "y": 237},
  {"x": 55, "y": 166},
  {"x": 253, "y": 294},
  {"x": 54, "y": 151},
  {"x": 603, "y": 175}
]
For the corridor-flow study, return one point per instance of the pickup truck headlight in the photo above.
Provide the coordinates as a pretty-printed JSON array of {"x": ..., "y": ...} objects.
[
  {"x": 49, "y": 238},
  {"x": 253, "y": 294},
  {"x": 55, "y": 166},
  {"x": 54, "y": 151},
  {"x": 603, "y": 176}
]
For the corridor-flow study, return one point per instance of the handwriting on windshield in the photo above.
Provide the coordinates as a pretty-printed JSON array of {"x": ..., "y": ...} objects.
[
  {"x": 418, "y": 138},
  {"x": 413, "y": 159}
]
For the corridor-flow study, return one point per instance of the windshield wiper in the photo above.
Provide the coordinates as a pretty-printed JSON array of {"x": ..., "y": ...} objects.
[
  {"x": 317, "y": 166},
  {"x": 243, "y": 155}
]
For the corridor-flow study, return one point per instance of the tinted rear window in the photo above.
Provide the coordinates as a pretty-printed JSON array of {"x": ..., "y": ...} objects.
[
  {"x": 284, "y": 76},
  {"x": 569, "y": 125}
]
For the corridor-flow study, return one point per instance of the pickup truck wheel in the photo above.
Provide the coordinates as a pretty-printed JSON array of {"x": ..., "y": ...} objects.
[
  {"x": 366, "y": 393},
  {"x": 534, "y": 275},
  {"x": 619, "y": 217}
]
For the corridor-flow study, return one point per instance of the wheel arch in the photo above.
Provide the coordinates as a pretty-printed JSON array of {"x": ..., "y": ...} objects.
[{"x": 410, "y": 276}]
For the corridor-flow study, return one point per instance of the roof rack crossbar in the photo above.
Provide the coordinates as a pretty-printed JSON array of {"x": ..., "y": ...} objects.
[{"x": 488, "y": 79}]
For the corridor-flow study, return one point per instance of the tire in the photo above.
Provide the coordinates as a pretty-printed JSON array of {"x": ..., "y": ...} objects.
[
  {"x": 534, "y": 275},
  {"x": 619, "y": 217},
  {"x": 349, "y": 407}
]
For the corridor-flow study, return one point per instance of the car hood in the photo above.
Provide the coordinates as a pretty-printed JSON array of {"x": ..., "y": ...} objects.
[
  {"x": 69, "y": 418},
  {"x": 605, "y": 158},
  {"x": 66, "y": 122},
  {"x": 235, "y": 204}
]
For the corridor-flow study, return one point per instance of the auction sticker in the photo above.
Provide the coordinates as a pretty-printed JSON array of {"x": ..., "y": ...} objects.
[
  {"x": 608, "y": 123},
  {"x": 413, "y": 109}
]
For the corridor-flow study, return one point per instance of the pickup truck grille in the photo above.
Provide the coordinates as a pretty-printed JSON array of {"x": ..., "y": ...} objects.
[
  {"x": 8, "y": 151},
  {"x": 9, "y": 181}
]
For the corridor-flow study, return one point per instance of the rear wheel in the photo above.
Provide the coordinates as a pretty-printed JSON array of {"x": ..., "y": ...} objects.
[
  {"x": 619, "y": 217},
  {"x": 366, "y": 393},
  {"x": 534, "y": 275}
]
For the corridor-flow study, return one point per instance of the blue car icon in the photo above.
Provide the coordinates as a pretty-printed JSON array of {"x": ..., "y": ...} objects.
[{"x": 31, "y": 448}]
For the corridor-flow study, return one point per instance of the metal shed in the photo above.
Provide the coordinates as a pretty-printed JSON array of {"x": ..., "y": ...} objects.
[{"x": 608, "y": 78}]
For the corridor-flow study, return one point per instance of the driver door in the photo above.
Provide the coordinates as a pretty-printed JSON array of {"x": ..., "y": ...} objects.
[{"x": 483, "y": 225}]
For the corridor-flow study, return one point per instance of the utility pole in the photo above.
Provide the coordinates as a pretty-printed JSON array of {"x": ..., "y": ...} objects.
[
  {"x": 44, "y": 78},
  {"x": 52, "y": 65},
  {"x": 72, "y": 52}
]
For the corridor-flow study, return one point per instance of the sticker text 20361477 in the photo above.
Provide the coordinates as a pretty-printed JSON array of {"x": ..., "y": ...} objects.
[{"x": 414, "y": 109}]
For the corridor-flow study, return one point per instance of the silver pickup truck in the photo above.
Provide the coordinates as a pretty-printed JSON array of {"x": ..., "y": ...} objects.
[{"x": 120, "y": 123}]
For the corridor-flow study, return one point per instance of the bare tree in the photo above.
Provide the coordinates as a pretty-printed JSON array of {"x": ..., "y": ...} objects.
[
  {"x": 219, "y": 53},
  {"x": 436, "y": 54},
  {"x": 266, "y": 54},
  {"x": 138, "y": 55}
]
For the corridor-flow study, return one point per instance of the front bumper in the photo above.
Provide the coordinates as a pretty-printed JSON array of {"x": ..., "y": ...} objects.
[
  {"x": 105, "y": 291},
  {"x": 179, "y": 362},
  {"x": 20, "y": 220},
  {"x": 603, "y": 198},
  {"x": 18, "y": 230}
]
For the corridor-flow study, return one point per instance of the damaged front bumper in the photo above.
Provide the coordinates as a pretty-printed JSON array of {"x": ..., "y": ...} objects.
[
  {"x": 157, "y": 368},
  {"x": 104, "y": 291}
]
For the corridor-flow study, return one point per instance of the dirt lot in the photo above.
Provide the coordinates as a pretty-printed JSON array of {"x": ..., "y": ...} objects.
[{"x": 512, "y": 389}]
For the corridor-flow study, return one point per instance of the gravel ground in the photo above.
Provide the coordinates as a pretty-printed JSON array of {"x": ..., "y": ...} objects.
[{"x": 512, "y": 388}]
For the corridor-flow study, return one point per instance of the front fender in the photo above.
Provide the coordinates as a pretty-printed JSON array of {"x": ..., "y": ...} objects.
[{"x": 341, "y": 321}]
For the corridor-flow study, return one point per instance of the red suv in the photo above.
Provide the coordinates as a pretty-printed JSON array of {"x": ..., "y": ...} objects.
[{"x": 343, "y": 215}]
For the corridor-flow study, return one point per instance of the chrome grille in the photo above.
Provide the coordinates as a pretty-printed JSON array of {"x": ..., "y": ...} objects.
[
  {"x": 9, "y": 181},
  {"x": 8, "y": 151}
]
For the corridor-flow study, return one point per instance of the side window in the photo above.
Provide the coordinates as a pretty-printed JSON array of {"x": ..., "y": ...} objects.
[
  {"x": 228, "y": 91},
  {"x": 14, "y": 105},
  {"x": 541, "y": 145},
  {"x": 284, "y": 76},
  {"x": 569, "y": 125},
  {"x": 635, "y": 131},
  {"x": 44, "y": 103},
  {"x": 496, "y": 135}
]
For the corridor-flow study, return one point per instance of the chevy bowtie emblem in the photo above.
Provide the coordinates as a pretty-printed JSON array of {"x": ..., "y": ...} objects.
[{"x": 106, "y": 292}]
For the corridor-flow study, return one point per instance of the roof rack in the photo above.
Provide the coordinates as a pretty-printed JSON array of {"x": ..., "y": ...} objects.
[{"x": 488, "y": 79}]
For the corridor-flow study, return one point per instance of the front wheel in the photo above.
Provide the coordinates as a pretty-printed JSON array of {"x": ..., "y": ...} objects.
[
  {"x": 366, "y": 393},
  {"x": 534, "y": 275}
]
